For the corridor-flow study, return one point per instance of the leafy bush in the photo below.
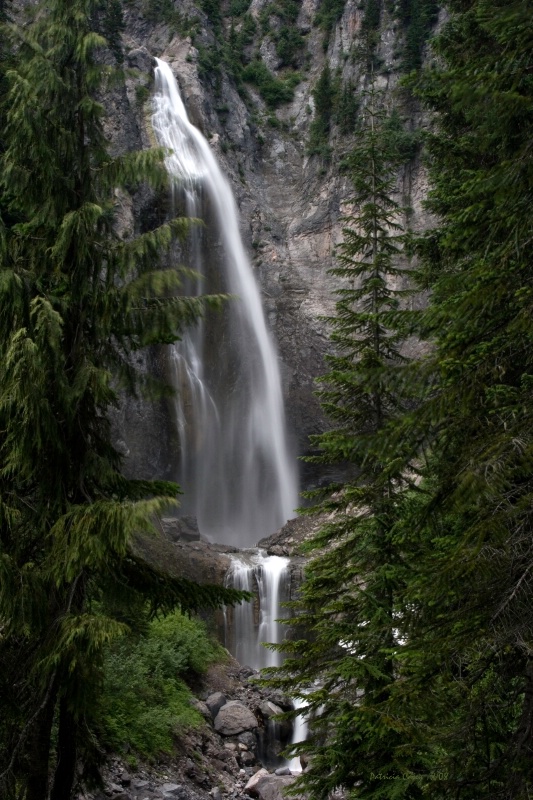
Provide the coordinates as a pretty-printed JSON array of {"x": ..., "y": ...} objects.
[
  {"x": 402, "y": 143},
  {"x": 146, "y": 701},
  {"x": 320, "y": 126},
  {"x": 289, "y": 43},
  {"x": 273, "y": 90},
  {"x": 238, "y": 7},
  {"x": 327, "y": 15},
  {"x": 288, "y": 40},
  {"x": 213, "y": 12}
]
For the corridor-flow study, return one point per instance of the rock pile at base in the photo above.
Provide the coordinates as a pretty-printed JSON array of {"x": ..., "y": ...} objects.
[{"x": 221, "y": 760}]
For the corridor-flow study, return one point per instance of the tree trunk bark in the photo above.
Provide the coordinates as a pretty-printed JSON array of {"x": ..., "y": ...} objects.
[
  {"x": 38, "y": 753},
  {"x": 66, "y": 755}
]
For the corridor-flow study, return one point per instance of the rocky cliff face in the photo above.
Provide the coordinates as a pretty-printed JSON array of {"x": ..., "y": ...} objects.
[{"x": 291, "y": 203}]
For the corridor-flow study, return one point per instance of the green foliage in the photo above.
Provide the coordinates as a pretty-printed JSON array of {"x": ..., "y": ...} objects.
[
  {"x": 347, "y": 104},
  {"x": 467, "y": 606},
  {"x": 112, "y": 27},
  {"x": 158, "y": 11},
  {"x": 321, "y": 124},
  {"x": 418, "y": 17},
  {"x": 289, "y": 42},
  {"x": 213, "y": 10},
  {"x": 352, "y": 588},
  {"x": 274, "y": 91},
  {"x": 405, "y": 143},
  {"x": 329, "y": 12},
  {"x": 145, "y": 702},
  {"x": 142, "y": 93},
  {"x": 238, "y": 7},
  {"x": 77, "y": 301},
  {"x": 371, "y": 17}
]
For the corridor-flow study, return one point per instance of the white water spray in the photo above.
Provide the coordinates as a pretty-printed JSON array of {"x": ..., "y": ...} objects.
[
  {"x": 299, "y": 733},
  {"x": 253, "y": 625},
  {"x": 236, "y": 471}
]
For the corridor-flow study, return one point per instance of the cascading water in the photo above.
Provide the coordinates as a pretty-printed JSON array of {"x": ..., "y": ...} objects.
[
  {"x": 253, "y": 625},
  {"x": 236, "y": 471}
]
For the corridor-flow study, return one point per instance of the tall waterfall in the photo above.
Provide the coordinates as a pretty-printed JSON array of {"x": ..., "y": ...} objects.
[{"x": 236, "y": 471}]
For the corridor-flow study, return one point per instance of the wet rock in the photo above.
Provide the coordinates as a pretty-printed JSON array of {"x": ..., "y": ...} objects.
[
  {"x": 282, "y": 700},
  {"x": 282, "y": 771},
  {"x": 174, "y": 790},
  {"x": 140, "y": 59},
  {"x": 233, "y": 718},
  {"x": 247, "y": 672},
  {"x": 247, "y": 758}
]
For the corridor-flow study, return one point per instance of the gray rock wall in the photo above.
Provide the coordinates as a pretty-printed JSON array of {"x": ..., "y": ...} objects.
[{"x": 291, "y": 204}]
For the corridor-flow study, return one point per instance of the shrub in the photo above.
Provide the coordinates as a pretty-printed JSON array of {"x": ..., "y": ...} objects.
[
  {"x": 273, "y": 90},
  {"x": 146, "y": 702}
]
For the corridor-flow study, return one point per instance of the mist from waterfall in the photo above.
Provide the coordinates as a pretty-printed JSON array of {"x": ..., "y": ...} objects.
[{"x": 238, "y": 476}]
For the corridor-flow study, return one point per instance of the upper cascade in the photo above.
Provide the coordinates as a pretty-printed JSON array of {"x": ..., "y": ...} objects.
[{"x": 238, "y": 476}]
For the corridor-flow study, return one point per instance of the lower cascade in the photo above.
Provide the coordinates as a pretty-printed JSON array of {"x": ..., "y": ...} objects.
[
  {"x": 253, "y": 624},
  {"x": 250, "y": 626}
]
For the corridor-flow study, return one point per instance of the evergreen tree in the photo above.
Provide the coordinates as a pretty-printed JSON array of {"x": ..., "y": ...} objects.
[
  {"x": 321, "y": 125},
  {"x": 77, "y": 301},
  {"x": 348, "y": 600},
  {"x": 468, "y": 617}
]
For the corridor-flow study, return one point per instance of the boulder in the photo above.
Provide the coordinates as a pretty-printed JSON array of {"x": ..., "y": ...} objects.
[
  {"x": 269, "y": 709},
  {"x": 251, "y": 786},
  {"x": 215, "y": 702},
  {"x": 140, "y": 59},
  {"x": 184, "y": 529},
  {"x": 247, "y": 759},
  {"x": 272, "y": 787},
  {"x": 233, "y": 718},
  {"x": 174, "y": 790}
]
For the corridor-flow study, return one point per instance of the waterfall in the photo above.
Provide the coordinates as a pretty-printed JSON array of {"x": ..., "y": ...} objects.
[
  {"x": 235, "y": 468},
  {"x": 237, "y": 474},
  {"x": 299, "y": 733},
  {"x": 252, "y": 625}
]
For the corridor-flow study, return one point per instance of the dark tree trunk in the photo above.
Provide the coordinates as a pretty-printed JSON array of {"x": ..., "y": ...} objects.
[
  {"x": 38, "y": 752},
  {"x": 65, "y": 772}
]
